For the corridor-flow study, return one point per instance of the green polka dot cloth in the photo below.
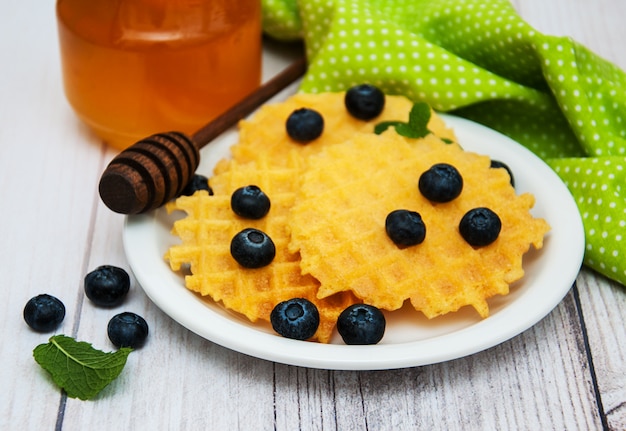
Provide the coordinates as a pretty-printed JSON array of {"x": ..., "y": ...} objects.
[{"x": 478, "y": 59}]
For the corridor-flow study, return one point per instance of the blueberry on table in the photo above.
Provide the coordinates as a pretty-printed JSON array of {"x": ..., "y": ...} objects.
[
  {"x": 480, "y": 227},
  {"x": 441, "y": 183},
  {"x": 44, "y": 313},
  {"x": 127, "y": 330},
  {"x": 107, "y": 286},
  {"x": 296, "y": 318},
  {"x": 252, "y": 248},
  {"x": 498, "y": 164},
  {"x": 364, "y": 101},
  {"x": 250, "y": 202},
  {"x": 405, "y": 228},
  {"x": 197, "y": 182},
  {"x": 305, "y": 125},
  {"x": 361, "y": 324}
]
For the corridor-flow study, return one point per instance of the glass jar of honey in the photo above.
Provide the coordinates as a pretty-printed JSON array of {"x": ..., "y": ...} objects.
[{"x": 132, "y": 68}]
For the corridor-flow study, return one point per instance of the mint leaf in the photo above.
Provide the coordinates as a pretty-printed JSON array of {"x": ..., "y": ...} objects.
[
  {"x": 77, "y": 367},
  {"x": 405, "y": 129},
  {"x": 419, "y": 118},
  {"x": 416, "y": 127},
  {"x": 384, "y": 125}
]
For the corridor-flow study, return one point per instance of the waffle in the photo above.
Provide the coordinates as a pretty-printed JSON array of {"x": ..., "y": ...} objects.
[
  {"x": 338, "y": 226},
  {"x": 206, "y": 233},
  {"x": 265, "y": 132}
]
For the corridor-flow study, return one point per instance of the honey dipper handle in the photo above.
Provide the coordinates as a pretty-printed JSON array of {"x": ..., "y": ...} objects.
[
  {"x": 156, "y": 169},
  {"x": 229, "y": 118}
]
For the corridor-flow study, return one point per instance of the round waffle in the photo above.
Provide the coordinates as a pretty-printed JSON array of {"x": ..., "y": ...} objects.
[
  {"x": 265, "y": 132},
  {"x": 206, "y": 233},
  {"x": 338, "y": 226}
]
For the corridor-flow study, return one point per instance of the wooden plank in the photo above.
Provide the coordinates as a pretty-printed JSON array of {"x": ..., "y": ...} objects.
[
  {"x": 47, "y": 178},
  {"x": 604, "y": 308}
]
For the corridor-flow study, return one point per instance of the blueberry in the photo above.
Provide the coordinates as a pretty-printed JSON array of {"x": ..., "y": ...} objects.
[
  {"x": 361, "y": 324},
  {"x": 441, "y": 183},
  {"x": 107, "y": 286},
  {"x": 197, "y": 182},
  {"x": 364, "y": 102},
  {"x": 44, "y": 313},
  {"x": 480, "y": 227},
  {"x": 127, "y": 330},
  {"x": 498, "y": 164},
  {"x": 250, "y": 202},
  {"x": 252, "y": 248},
  {"x": 405, "y": 228},
  {"x": 305, "y": 125},
  {"x": 296, "y": 318}
]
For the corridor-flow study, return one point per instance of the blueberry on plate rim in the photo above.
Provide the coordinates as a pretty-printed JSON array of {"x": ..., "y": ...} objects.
[
  {"x": 304, "y": 125},
  {"x": 252, "y": 248},
  {"x": 250, "y": 202},
  {"x": 441, "y": 183},
  {"x": 405, "y": 228},
  {"x": 296, "y": 318},
  {"x": 480, "y": 227},
  {"x": 364, "y": 101},
  {"x": 107, "y": 285},
  {"x": 361, "y": 324},
  {"x": 44, "y": 313},
  {"x": 127, "y": 330}
]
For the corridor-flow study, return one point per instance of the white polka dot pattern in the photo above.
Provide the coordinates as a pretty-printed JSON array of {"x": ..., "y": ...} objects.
[
  {"x": 596, "y": 184},
  {"x": 480, "y": 60}
]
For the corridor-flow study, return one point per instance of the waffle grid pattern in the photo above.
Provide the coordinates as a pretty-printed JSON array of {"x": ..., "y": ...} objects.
[
  {"x": 206, "y": 234},
  {"x": 339, "y": 216}
]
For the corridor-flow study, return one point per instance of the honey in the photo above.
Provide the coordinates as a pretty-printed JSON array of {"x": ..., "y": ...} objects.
[{"x": 132, "y": 68}]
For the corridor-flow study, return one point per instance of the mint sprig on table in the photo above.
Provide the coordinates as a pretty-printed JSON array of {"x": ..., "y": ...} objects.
[
  {"x": 416, "y": 127},
  {"x": 77, "y": 367}
]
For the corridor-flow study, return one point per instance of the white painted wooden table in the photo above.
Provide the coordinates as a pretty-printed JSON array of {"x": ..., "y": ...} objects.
[{"x": 565, "y": 373}]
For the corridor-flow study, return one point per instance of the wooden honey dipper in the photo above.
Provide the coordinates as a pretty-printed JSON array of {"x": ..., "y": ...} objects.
[{"x": 155, "y": 169}]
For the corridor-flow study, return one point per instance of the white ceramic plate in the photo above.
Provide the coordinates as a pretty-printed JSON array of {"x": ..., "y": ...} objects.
[{"x": 410, "y": 339}]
